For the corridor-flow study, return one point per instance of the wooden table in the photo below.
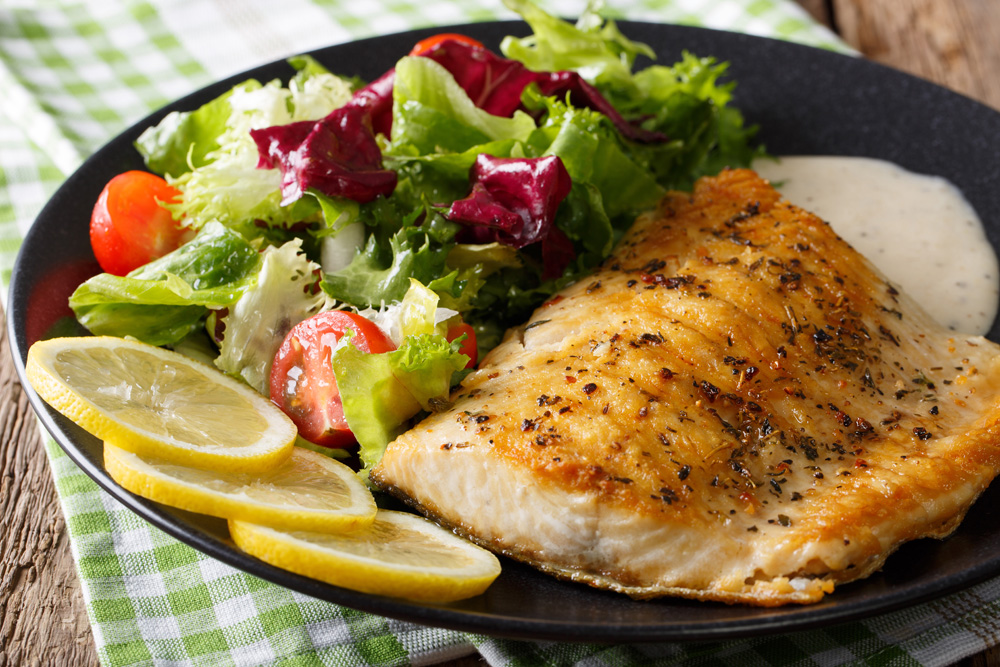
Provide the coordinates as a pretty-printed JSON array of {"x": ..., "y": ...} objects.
[{"x": 42, "y": 617}]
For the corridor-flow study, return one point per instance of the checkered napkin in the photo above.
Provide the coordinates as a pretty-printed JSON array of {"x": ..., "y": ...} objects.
[{"x": 75, "y": 73}]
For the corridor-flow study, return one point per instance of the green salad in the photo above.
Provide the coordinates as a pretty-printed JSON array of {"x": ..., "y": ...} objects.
[{"x": 351, "y": 248}]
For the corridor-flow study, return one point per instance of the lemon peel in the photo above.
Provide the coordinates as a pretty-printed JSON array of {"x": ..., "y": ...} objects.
[
  {"x": 309, "y": 491},
  {"x": 399, "y": 555}
]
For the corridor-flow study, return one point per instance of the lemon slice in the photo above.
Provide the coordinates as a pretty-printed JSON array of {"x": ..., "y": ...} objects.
[
  {"x": 399, "y": 555},
  {"x": 309, "y": 491},
  {"x": 159, "y": 403}
]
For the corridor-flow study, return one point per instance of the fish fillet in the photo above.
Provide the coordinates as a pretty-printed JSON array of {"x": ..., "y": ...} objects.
[{"x": 736, "y": 406}]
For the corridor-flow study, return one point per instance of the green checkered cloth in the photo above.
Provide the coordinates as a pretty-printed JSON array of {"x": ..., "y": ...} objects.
[{"x": 75, "y": 73}]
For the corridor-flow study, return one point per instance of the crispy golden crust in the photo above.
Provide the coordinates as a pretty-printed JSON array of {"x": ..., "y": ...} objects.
[{"x": 736, "y": 406}]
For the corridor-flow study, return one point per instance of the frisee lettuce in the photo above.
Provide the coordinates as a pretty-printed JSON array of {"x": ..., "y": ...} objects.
[
  {"x": 284, "y": 293},
  {"x": 209, "y": 155}
]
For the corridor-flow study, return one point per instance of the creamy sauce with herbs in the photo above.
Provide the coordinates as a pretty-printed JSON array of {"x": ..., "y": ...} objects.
[{"x": 918, "y": 230}]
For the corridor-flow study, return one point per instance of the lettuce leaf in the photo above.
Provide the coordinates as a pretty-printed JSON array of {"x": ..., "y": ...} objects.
[
  {"x": 184, "y": 139},
  {"x": 594, "y": 48},
  {"x": 228, "y": 187},
  {"x": 162, "y": 302},
  {"x": 514, "y": 201},
  {"x": 381, "y": 392},
  {"x": 690, "y": 102},
  {"x": 380, "y": 275},
  {"x": 594, "y": 154},
  {"x": 433, "y": 114},
  {"x": 256, "y": 324}
]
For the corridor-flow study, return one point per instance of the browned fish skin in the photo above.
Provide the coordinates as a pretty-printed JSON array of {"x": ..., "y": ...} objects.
[{"x": 736, "y": 406}]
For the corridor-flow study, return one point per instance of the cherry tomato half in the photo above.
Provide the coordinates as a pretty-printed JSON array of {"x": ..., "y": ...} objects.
[
  {"x": 302, "y": 381},
  {"x": 468, "y": 347},
  {"x": 128, "y": 227},
  {"x": 429, "y": 44}
]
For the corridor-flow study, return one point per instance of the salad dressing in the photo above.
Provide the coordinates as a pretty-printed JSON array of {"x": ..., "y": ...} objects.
[{"x": 919, "y": 230}]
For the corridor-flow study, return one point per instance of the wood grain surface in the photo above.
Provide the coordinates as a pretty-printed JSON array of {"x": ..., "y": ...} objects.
[{"x": 43, "y": 621}]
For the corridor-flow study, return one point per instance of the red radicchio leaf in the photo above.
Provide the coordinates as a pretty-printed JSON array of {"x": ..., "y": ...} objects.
[
  {"x": 337, "y": 156},
  {"x": 513, "y": 201},
  {"x": 582, "y": 94},
  {"x": 376, "y": 100},
  {"x": 495, "y": 85}
]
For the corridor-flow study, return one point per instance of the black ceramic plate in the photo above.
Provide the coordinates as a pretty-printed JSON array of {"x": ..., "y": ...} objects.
[{"x": 806, "y": 101}]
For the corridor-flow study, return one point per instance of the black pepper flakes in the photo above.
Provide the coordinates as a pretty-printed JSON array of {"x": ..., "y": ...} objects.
[
  {"x": 709, "y": 390},
  {"x": 667, "y": 495},
  {"x": 821, "y": 337},
  {"x": 650, "y": 339}
]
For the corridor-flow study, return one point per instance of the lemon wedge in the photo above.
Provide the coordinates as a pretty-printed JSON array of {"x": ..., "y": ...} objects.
[
  {"x": 399, "y": 555},
  {"x": 309, "y": 491},
  {"x": 159, "y": 403}
]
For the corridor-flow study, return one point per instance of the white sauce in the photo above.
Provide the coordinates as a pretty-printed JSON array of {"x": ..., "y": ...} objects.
[{"x": 918, "y": 230}]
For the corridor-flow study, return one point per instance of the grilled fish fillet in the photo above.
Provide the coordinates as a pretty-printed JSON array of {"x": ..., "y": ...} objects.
[{"x": 736, "y": 406}]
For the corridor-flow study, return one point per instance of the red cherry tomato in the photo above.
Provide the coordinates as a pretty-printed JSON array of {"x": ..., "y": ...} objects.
[
  {"x": 302, "y": 381},
  {"x": 468, "y": 347},
  {"x": 128, "y": 227},
  {"x": 429, "y": 44}
]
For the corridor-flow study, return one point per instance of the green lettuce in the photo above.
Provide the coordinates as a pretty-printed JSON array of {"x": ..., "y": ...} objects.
[
  {"x": 594, "y": 48},
  {"x": 162, "y": 302},
  {"x": 185, "y": 139},
  {"x": 433, "y": 114},
  {"x": 381, "y": 275},
  {"x": 226, "y": 185},
  {"x": 382, "y": 392},
  {"x": 688, "y": 102},
  {"x": 691, "y": 104},
  {"x": 256, "y": 324},
  {"x": 594, "y": 153}
]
